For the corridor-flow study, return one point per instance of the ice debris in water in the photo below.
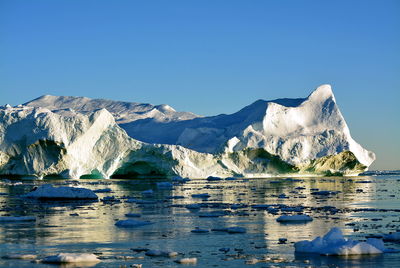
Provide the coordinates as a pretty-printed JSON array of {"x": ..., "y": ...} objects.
[
  {"x": 294, "y": 218},
  {"x": 333, "y": 243},
  {"x": 161, "y": 253},
  {"x": 47, "y": 191},
  {"x": 187, "y": 261},
  {"x": 71, "y": 258},
  {"x": 131, "y": 223},
  {"x": 14, "y": 219},
  {"x": 20, "y": 257}
]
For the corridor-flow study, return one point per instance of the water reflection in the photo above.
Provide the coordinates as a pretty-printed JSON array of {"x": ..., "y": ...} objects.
[{"x": 89, "y": 227}]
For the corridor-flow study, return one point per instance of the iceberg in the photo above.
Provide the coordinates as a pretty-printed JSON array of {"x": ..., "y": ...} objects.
[{"x": 78, "y": 137}]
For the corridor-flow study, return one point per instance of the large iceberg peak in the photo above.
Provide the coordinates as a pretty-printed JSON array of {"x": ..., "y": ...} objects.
[{"x": 322, "y": 93}]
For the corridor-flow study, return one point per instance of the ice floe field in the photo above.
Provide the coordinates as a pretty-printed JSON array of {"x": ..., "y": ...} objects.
[{"x": 203, "y": 223}]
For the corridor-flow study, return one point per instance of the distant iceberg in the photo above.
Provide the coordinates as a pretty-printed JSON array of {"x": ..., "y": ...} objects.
[{"x": 74, "y": 137}]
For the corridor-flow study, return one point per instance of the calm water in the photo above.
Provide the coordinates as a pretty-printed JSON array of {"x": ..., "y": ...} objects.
[{"x": 364, "y": 206}]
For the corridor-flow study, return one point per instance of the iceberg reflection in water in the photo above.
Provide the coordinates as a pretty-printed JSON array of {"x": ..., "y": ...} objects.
[{"x": 361, "y": 207}]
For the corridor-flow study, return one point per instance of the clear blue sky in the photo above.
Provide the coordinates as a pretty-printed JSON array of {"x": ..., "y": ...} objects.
[{"x": 211, "y": 57}]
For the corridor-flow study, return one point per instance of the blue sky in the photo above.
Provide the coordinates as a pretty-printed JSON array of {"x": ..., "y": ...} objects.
[{"x": 211, "y": 57}]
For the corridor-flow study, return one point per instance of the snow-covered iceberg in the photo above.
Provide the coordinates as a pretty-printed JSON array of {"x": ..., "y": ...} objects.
[{"x": 73, "y": 137}]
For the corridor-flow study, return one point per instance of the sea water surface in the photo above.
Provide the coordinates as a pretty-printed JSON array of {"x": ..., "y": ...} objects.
[{"x": 361, "y": 206}]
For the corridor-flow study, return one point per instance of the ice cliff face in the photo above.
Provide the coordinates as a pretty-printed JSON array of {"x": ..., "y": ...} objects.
[{"x": 74, "y": 137}]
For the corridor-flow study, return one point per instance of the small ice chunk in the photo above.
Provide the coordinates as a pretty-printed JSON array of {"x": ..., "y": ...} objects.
[
  {"x": 20, "y": 257},
  {"x": 187, "y": 261},
  {"x": 161, "y": 253},
  {"x": 47, "y": 191},
  {"x": 19, "y": 218},
  {"x": 294, "y": 218},
  {"x": 131, "y": 223},
  {"x": 71, "y": 258}
]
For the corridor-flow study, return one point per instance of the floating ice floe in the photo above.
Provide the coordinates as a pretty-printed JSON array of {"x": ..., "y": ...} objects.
[
  {"x": 71, "y": 258},
  {"x": 20, "y": 257},
  {"x": 47, "y": 191},
  {"x": 294, "y": 218},
  {"x": 333, "y": 243},
  {"x": 187, "y": 261},
  {"x": 161, "y": 253},
  {"x": 17, "y": 219},
  {"x": 131, "y": 223}
]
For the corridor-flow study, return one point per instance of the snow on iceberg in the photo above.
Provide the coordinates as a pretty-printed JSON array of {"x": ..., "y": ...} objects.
[
  {"x": 334, "y": 243},
  {"x": 71, "y": 258},
  {"x": 47, "y": 191},
  {"x": 75, "y": 137}
]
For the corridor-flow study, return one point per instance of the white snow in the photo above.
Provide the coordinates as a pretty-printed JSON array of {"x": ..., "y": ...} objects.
[
  {"x": 334, "y": 243},
  {"x": 47, "y": 191},
  {"x": 71, "y": 258},
  {"x": 294, "y": 218},
  {"x": 16, "y": 219}
]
